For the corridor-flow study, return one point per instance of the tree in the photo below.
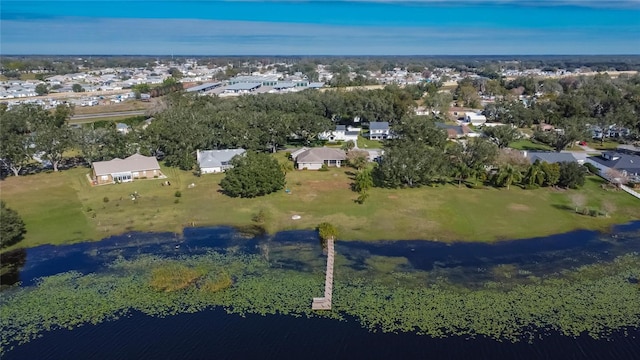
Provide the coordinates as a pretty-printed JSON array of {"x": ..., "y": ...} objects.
[
  {"x": 479, "y": 154},
  {"x": 409, "y": 164},
  {"x": 16, "y": 148},
  {"x": 358, "y": 159},
  {"x": 551, "y": 173},
  {"x": 42, "y": 89},
  {"x": 347, "y": 146},
  {"x": 77, "y": 88},
  {"x": 572, "y": 175},
  {"x": 616, "y": 177},
  {"x": 535, "y": 175},
  {"x": 508, "y": 175},
  {"x": 255, "y": 174},
  {"x": 12, "y": 228},
  {"x": 327, "y": 231},
  {"x": 502, "y": 135},
  {"x": 363, "y": 181},
  {"x": 53, "y": 137},
  {"x": 572, "y": 130}
]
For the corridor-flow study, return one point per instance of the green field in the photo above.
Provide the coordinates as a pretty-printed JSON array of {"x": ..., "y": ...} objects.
[
  {"x": 526, "y": 144},
  {"x": 63, "y": 207}
]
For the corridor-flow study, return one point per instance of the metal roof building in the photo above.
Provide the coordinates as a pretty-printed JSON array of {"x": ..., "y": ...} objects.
[{"x": 204, "y": 87}]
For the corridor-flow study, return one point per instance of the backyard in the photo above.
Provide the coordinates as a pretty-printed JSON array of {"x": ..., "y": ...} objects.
[{"x": 63, "y": 208}]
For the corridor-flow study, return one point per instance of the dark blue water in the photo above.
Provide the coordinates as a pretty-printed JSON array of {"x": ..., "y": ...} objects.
[{"x": 215, "y": 334}]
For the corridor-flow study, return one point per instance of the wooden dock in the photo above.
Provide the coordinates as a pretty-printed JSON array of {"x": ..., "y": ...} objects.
[{"x": 324, "y": 303}]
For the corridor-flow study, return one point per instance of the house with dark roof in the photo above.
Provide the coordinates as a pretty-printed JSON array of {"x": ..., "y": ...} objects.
[
  {"x": 457, "y": 131},
  {"x": 379, "y": 130},
  {"x": 627, "y": 164},
  {"x": 126, "y": 170},
  {"x": 549, "y": 157},
  {"x": 216, "y": 161},
  {"x": 314, "y": 158}
]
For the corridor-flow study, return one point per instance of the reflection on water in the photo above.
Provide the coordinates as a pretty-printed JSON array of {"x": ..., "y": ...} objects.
[
  {"x": 11, "y": 263},
  {"x": 468, "y": 264}
]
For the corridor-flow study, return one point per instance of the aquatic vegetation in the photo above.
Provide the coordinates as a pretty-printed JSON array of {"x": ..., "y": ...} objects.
[
  {"x": 593, "y": 299},
  {"x": 173, "y": 276}
]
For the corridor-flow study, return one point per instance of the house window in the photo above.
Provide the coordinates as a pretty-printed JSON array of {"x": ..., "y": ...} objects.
[{"x": 104, "y": 177}]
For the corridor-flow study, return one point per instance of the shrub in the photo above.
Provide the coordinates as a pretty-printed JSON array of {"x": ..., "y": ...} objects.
[
  {"x": 177, "y": 194},
  {"x": 324, "y": 167},
  {"x": 154, "y": 176},
  {"x": 105, "y": 199},
  {"x": 592, "y": 168},
  {"x": 327, "y": 230},
  {"x": 176, "y": 201}
]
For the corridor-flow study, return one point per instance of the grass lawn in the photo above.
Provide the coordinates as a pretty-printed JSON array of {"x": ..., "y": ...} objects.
[
  {"x": 129, "y": 105},
  {"x": 365, "y": 143},
  {"x": 606, "y": 145},
  {"x": 63, "y": 207},
  {"x": 526, "y": 144}
]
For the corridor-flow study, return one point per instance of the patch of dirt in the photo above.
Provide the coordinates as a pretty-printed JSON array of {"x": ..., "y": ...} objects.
[
  {"x": 518, "y": 207},
  {"x": 392, "y": 196}
]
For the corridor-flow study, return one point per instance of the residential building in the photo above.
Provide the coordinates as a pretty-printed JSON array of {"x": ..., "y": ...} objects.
[
  {"x": 125, "y": 170},
  {"x": 314, "y": 158},
  {"x": 341, "y": 133},
  {"x": 549, "y": 157},
  {"x": 457, "y": 131},
  {"x": 216, "y": 161},
  {"x": 475, "y": 118},
  {"x": 379, "y": 130},
  {"x": 626, "y": 164}
]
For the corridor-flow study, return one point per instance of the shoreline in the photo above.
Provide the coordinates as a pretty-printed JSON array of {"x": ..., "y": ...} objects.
[
  {"x": 255, "y": 232},
  {"x": 63, "y": 208}
]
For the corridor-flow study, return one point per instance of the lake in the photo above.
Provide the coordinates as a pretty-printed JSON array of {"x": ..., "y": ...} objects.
[{"x": 478, "y": 294}]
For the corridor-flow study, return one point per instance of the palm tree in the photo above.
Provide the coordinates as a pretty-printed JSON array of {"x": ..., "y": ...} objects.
[
  {"x": 508, "y": 175},
  {"x": 462, "y": 172},
  {"x": 535, "y": 175}
]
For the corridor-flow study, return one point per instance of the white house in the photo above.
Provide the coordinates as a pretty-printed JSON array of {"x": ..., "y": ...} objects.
[
  {"x": 474, "y": 118},
  {"x": 379, "y": 130},
  {"x": 341, "y": 133},
  {"x": 216, "y": 161}
]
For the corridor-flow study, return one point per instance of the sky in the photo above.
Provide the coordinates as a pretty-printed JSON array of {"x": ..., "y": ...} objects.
[{"x": 339, "y": 27}]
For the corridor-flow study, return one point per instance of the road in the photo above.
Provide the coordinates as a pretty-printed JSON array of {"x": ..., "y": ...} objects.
[{"x": 89, "y": 117}]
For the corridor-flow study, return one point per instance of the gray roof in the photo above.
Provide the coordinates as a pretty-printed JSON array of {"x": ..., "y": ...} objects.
[
  {"x": 243, "y": 86},
  {"x": 316, "y": 85},
  {"x": 206, "y": 86},
  {"x": 216, "y": 158},
  {"x": 319, "y": 155},
  {"x": 341, "y": 127},
  {"x": 379, "y": 125},
  {"x": 619, "y": 161},
  {"x": 284, "y": 85},
  {"x": 550, "y": 157},
  {"x": 250, "y": 78},
  {"x": 134, "y": 162}
]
